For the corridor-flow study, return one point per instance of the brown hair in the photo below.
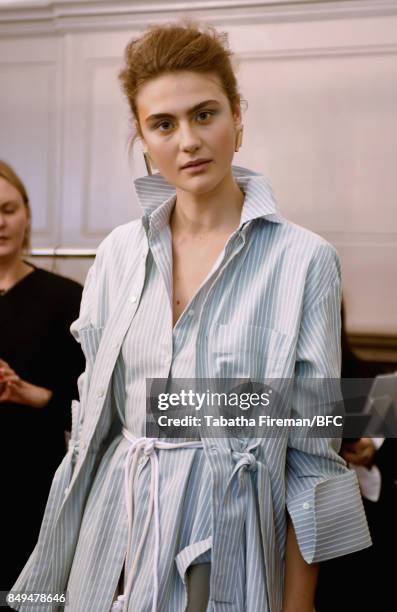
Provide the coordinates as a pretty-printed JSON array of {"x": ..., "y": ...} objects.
[
  {"x": 176, "y": 47},
  {"x": 7, "y": 173}
]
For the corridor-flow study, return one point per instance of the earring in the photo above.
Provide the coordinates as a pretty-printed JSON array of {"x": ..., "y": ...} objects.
[
  {"x": 147, "y": 163},
  {"x": 239, "y": 139}
]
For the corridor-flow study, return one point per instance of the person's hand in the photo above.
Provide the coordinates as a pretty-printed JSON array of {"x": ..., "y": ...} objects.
[
  {"x": 361, "y": 452},
  {"x": 14, "y": 389}
]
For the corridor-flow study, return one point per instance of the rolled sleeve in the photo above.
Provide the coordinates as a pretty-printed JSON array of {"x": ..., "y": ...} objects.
[
  {"x": 328, "y": 517},
  {"x": 322, "y": 495}
]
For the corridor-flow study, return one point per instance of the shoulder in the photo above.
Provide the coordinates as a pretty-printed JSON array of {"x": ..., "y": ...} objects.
[
  {"x": 121, "y": 236},
  {"x": 322, "y": 266},
  {"x": 59, "y": 294},
  {"x": 57, "y": 282},
  {"x": 314, "y": 261},
  {"x": 312, "y": 250},
  {"x": 294, "y": 241},
  {"x": 117, "y": 257},
  {"x": 302, "y": 240},
  {"x": 120, "y": 245}
]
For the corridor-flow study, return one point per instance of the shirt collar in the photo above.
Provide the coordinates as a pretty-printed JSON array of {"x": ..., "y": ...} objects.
[{"x": 157, "y": 197}]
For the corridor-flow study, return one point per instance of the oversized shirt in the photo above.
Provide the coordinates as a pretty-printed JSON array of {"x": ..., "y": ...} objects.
[{"x": 270, "y": 308}]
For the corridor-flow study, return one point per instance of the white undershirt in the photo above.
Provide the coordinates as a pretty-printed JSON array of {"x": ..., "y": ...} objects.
[{"x": 370, "y": 480}]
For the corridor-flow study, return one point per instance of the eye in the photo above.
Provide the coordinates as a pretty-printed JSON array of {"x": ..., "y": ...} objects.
[
  {"x": 9, "y": 210},
  {"x": 205, "y": 115},
  {"x": 162, "y": 123}
]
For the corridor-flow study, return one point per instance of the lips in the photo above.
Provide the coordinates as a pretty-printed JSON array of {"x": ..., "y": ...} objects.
[{"x": 199, "y": 162}]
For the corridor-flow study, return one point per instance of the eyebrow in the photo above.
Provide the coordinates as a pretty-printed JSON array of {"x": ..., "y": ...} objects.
[
  {"x": 6, "y": 202},
  {"x": 190, "y": 110}
]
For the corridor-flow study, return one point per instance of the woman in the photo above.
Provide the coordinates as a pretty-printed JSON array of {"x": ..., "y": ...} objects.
[
  {"x": 210, "y": 283},
  {"x": 39, "y": 365},
  {"x": 341, "y": 580}
]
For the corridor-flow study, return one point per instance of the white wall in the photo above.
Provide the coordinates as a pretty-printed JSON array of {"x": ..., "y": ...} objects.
[{"x": 320, "y": 79}]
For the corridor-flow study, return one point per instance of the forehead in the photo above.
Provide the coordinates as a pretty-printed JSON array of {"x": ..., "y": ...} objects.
[
  {"x": 176, "y": 92},
  {"x": 8, "y": 192}
]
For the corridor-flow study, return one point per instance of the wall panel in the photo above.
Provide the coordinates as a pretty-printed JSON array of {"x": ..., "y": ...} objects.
[{"x": 320, "y": 79}]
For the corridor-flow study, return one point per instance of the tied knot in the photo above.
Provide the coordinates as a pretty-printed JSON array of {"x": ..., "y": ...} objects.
[
  {"x": 149, "y": 446},
  {"x": 246, "y": 460}
]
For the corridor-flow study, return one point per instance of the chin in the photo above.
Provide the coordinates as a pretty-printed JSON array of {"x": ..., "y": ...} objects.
[
  {"x": 201, "y": 184},
  {"x": 5, "y": 251}
]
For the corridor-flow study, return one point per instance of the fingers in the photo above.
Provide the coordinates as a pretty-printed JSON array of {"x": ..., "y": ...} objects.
[
  {"x": 362, "y": 457},
  {"x": 6, "y": 373},
  {"x": 13, "y": 379},
  {"x": 5, "y": 392},
  {"x": 350, "y": 457},
  {"x": 10, "y": 389}
]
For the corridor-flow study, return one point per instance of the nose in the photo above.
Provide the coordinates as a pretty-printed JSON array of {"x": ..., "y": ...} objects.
[
  {"x": 189, "y": 138},
  {"x": 2, "y": 219}
]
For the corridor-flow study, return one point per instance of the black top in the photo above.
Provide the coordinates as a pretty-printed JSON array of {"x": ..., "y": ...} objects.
[{"x": 35, "y": 340}]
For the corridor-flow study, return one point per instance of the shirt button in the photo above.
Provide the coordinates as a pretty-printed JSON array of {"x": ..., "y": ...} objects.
[
  {"x": 66, "y": 491},
  {"x": 214, "y": 450},
  {"x": 101, "y": 392},
  {"x": 190, "y": 313},
  {"x": 133, "y": 299},
  {"x": 306, "y": 505}
]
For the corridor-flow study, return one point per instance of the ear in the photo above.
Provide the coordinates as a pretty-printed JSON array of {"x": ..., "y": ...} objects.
[
  {"x": 139, "y": 134},
  {"x": 237, "y": 115}
]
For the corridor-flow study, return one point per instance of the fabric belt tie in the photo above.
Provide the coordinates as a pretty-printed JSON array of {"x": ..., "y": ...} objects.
[
  {"x": 247, "y": 460},
  {"x": 146, "y": 446},
  {"x": 237, "y": 488}
]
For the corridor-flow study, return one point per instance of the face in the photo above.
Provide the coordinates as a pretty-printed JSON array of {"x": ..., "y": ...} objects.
[
  {"x": 14, "y": 221},
  {"x": 183, "y": 117}
]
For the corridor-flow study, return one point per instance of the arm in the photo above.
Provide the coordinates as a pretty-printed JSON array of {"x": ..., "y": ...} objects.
[
  {"x": 48, "y": 384},
  {"x": 323, "y": 496},
  {"x": 300, "y": 577}
]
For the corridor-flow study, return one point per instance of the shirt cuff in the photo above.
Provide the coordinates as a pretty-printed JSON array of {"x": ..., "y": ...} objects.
[{"x": 329, "y": 518}]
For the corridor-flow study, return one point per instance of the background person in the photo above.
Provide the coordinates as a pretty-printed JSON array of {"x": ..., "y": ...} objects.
[
  {"x": 364, "y": 580},
  {"x": 39, "y": 366}
]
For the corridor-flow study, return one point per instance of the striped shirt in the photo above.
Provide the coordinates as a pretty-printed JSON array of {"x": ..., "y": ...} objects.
[{"x": 269, "y": 308}]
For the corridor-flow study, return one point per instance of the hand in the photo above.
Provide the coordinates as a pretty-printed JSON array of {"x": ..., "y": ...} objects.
[
  {"x": 14, "y": 389},
  {"x": 361, "y": 452}
]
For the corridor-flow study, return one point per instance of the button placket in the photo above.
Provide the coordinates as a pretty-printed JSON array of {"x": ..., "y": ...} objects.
[{"x": 232, "y": 248}]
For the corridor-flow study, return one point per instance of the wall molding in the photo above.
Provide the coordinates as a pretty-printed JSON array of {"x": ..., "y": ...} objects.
[
  {"x": 318, "y": 52},
  {"x": 46, "y": 16},
  {"x": 374, "y": 347},
  {"x": 91, "y": 64},
  {"x": 50, "y": 146}
]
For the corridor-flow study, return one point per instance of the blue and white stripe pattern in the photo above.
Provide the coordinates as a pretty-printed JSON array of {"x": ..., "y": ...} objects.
[{"x": 270, "y": 308}]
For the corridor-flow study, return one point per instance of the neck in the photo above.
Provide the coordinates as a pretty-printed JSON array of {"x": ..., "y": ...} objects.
[
  {"x": 215, "y": 211},
  {"x": 11, "y": 271}
]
